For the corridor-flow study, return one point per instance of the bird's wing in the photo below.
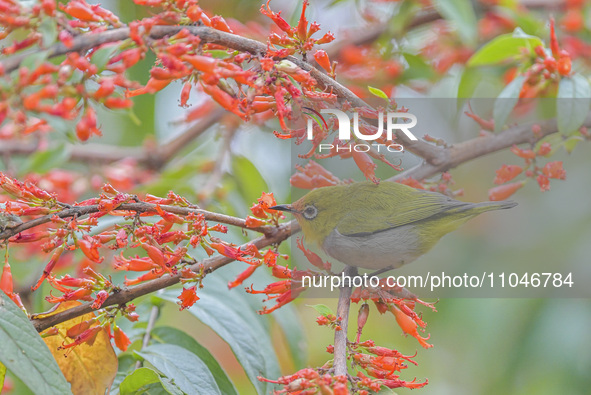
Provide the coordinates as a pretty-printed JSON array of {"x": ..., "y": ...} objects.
[{"x": 394, "y": 213}]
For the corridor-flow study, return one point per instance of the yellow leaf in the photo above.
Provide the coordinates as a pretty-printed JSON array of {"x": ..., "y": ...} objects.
[{"x": 89, "y": 369}]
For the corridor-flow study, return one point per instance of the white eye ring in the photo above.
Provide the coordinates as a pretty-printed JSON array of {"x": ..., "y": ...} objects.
[{"x": 310, "y": 212}]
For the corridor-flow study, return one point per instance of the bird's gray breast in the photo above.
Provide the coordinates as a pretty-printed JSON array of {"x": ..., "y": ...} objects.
[{"x": 393, "y": 247}]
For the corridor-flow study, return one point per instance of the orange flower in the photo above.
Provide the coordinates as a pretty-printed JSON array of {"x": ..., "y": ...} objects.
[
  {"x": 409, "y": 326},
  {"x": 242, "y": 276},
  {"x": 554, "y": 170},
  {"x": 121, "y": 339},
  {"x": 188, "y": 297},
  {"x": 507, "y": 173},
  {"x": 502, "y": 192}
]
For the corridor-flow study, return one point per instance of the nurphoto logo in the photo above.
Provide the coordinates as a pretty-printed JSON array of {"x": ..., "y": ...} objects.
[{"x": 394, "y": 121}]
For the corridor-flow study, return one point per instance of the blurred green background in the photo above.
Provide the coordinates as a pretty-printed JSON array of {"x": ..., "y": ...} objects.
[{"x": 482, "y": 345}]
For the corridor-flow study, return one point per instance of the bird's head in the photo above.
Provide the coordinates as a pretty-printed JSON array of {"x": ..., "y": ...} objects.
[{"x": 318, "y": 212}]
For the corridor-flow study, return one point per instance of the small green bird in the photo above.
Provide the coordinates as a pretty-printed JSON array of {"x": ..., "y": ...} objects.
[{"x": 380, "y": 227}]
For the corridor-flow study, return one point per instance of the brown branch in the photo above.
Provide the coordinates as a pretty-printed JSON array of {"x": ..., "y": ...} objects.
[
  {"x": 455, "y": 155},
  {"x": 340, "y": 337},
  {"x": 125, "y": 295},
  {"x": 153, "y": 158},
  {"x": 209, "y": 35},
  {"x": 139, "y": 207}
]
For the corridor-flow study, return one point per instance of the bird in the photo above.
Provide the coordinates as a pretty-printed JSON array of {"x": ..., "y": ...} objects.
[{"x": 380, "y": 226}]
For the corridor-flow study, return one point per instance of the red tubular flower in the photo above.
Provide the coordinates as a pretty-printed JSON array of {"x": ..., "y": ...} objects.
[
  {"x": 366, "y": 165},
  {"x": 121, "y": 339},
  {"x": 185, "y": 94},
  {"x": 554, "y": 170},
  {"x": 312, "y": 257},
  {"x": 106, "y": 87},
  {"x": 281, "y": 271},
  {"x": 219, "y": 23},
  {"x": 101, "y": 296},
  {"x": 252, "y": 222},
  {"x": 242, "y": 276},
  {"x": 188, "y": 297},
  {"x": 151, "y": 275},
  {"x": 409, "y": 326},
  {"x": 6, "y": 280},
  {"x": 283, "y": 299},
  {"x": 170, "y": 217},
  {"x": 302, "y": 28},
  {"x": 276, "y": 17},
  {"x": 322, "y": 59},
  {"x": 543, "y": 182},
  {"x": 155, "y": 254},
  {"x": 194, "y": 13},
  {"x": 71, "y": 282},
  {"x": 223, "y": 99},
  {"x": 564, "y": 65},
  {"x": 553, "y": 40},
  {"x": 81, "y": 10},
  {"x": 507, "y": 173},
  {"x": 503, "y": 192},
  {"x": 78, "y": 329},
  {"x": 361, "y": 319},
  {"x": 90, "y": 248},
  {"x": 49, "y": 267},
  {"x": 78, "y": 294},
  {"x": 327, "y": 38},
  {"x": 88, "y": 337},
  {"x": 396, "y": 383}
]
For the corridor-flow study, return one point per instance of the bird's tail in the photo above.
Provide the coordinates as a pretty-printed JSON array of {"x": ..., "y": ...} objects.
[{"x": 489, "y": 206}]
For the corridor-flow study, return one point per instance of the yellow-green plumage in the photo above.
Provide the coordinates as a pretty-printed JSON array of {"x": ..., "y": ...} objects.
[{"x": 376, "y": 226}]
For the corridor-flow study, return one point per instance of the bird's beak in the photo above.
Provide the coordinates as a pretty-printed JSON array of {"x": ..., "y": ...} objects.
[{"x": 284, "y": 207}]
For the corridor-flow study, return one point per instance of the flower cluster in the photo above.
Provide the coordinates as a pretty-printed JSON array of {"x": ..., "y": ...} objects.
[
  {"x": 160, "y": 246},
  {"x": 542, "y": 175},
  {"x": 311, "y": 381}
]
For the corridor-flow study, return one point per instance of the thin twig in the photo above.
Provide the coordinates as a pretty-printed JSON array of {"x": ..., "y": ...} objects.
[
  {"x": 218, "y": 171},
  {"x": 465, "y": 151},
  {"x": 151, "y": 322},
  {"x": 340, "y": 337},
  {"x": 125, "y": 295},
  {"x": 209, "y": 35},
  {"x": 139, "y": 207}
]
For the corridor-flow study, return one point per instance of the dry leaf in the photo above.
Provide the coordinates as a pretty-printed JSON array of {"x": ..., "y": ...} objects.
[{"x": 89, "y": 369}]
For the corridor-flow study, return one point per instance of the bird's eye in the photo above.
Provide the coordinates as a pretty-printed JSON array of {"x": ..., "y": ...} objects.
[{"x": 310, "y": 212}]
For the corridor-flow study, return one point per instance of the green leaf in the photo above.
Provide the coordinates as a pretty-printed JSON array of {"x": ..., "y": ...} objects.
[
  {"x": 101, "y": 56},
  {"x": 417, "y": 68},
  {"x": 23, "y": 352},
  {"x": 48, "y": 30},
  {"x": 43, "y": 161},
  {"x": 378, "y": 92},
  {"x": 506, "y": 47},
  {"x": 250, "y": 182},
  {"x": 224, "y": 311},
  {"x": 187, "y": 371},
  {"x": 321, "y": 309},
  {"x": 177, "y": 337},
  {"x": 126, "y": 365},
  {"x": 469, "y": 80},
  {"x": 574, "y": 100},
  {"x": 571, "y": 142},
  {"x": 462, "y": 15},
  {"x": 2, "y": 375},
  {"x": 141, "y": 379},
  {"x": 506, "y": 102},
  {"x": 287, "y": 317},
  {"x": 34, "y": 60},
  {"x": 219, "y": 54}
]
